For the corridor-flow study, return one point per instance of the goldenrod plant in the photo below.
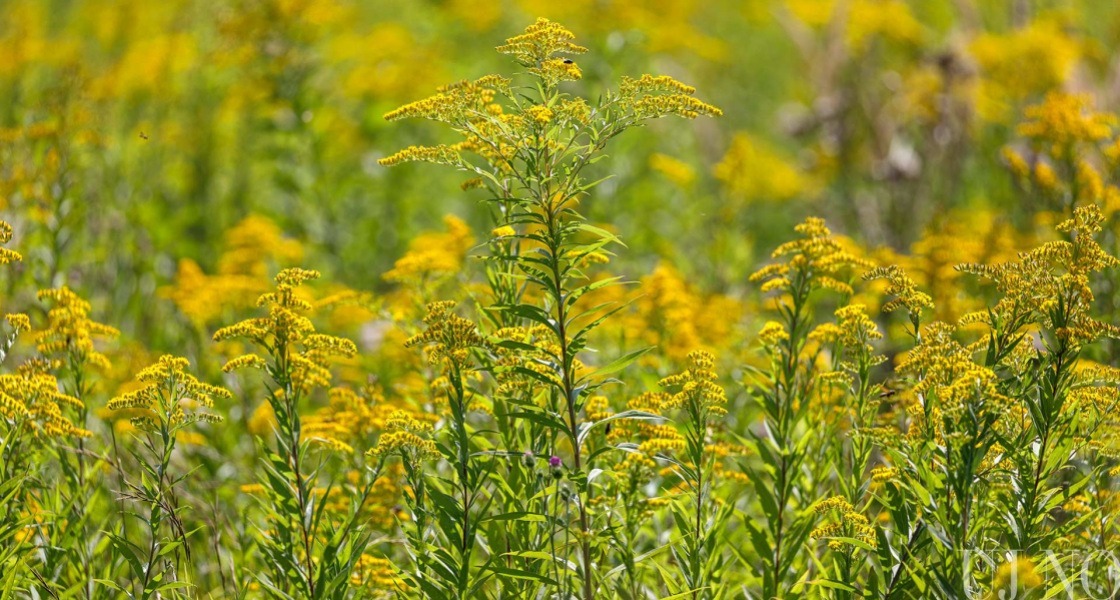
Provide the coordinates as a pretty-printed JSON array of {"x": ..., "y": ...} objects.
[
  {"x": 528, "y": 142},
  {"x": 170, "y": 401},
  {"x": 311, "y": 554}
]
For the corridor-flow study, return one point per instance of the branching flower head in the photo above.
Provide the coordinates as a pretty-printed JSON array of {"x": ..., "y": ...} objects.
[
  {"x": 843, "y": 523},
  {"x": 70, "y": 333},
  {"x": 506, "y": 128},
  {"x": 853, "y": 330},
  {"x": 655, "y": 96},
  {"x": 816, "y": 260},
  {"x": 1050, "y": 285},
  {"x": 171, "y": 398},
  {"x": 31, "y": 398},
  {"x": 542, "y": 41},
  {"x": 448, "y": 336},
  {"x": 407, "y": 437},
  {"x": 288, "y": 336},
  {"x": 949, "y": 386},
  {"x": 696, "y": 388},
  {"x": 903, "y": 290}
]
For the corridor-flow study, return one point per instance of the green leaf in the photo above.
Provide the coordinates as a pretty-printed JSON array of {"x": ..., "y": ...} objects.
[{"x": 619, "y": 364}]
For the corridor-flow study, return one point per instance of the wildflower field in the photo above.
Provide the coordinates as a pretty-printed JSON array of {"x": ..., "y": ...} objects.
[{"x": 528, "y": 300}]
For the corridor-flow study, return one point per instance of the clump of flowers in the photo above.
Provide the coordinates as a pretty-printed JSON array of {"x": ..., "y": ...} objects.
[
  {"x": 844, "y": 528},
  {"x": 696, "y": 393},
  {"x": 169, "y": 401},
  {"x": 296, "y": 359},
  {"x": 527, "y": 145}
]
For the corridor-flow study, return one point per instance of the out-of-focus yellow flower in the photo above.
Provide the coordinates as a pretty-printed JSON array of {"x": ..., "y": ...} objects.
[
  {"x": 1015, "y": 577},
  {"x": 376, "y": 573},
  {"x": 1064, "y": 119},
  {"x": 387, "y": 62},
  {"x": 251, "y": 249},
  {"x": 814, "y": 13},
  {"x": 1022, "y": 63},
  {"x": 751, "y": 170},
  {"x": 433, "y": 255},
  {"x": 889, "y": 19},
  {"x": 676, "y": 170},
  {"x": 668, "y": 27}
]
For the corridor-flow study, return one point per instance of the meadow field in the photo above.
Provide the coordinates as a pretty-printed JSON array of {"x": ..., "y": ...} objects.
[{"x": 536, "y": 300}]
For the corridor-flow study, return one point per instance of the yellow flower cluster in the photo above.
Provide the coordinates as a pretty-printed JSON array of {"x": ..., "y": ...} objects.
[
  {"x": 696, "y": 387},
  {"x": 19, "y": 322},
  {"x": 406, "y": 436},
  {"x": 288, "y": 335},
  {"x": 844, "y": 522},
  {"x": 853, "y": 329},
  {"x": 441, "y": 155},
  {"x": 851, "y": 338},
  {"x": 31, "y": 397},
  {"x": 815, "y": 261},
  {"x": 250, "y": 249},
  {"x": 903, "y": 289},
  {"x": 655, "y": 96},
  {"x": 1051, "y": 277},
  {"x": 773, "y": 334},
  {"x": 948, "y": 384},
  {"x": 883, "y": 474},
  {"x": 503, "y": 231},
  {"x": 448, "y": 336},
  {"x": 456, "y": 103},
  {"x": 70, "y": 332},
  {"x": 540, "y": 42},
  {"x": 1064, "y": 119},
  {"x": 555, "y": 70},
  {"x": 170, "y": 396},
  {"x": 433, "y": 256},
  {"x": 351, "y": 418},
  {"x": 541, "y": 115},
  {"x": 7, "y": 255}
]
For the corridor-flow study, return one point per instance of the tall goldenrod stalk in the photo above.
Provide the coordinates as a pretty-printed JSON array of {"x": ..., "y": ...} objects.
[
  {"x": 701, "y": 400},
  {"x": 170, "y": 401},
  {"x": 812, "y": 262},
  {"x": 529, "y": 145},
  {"x": 296, "y": 360}
]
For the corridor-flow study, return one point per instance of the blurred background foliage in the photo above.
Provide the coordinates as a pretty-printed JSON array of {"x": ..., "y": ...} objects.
[
  {"x": 145, "y": 145},
  {"x": 164, "y": 159}
]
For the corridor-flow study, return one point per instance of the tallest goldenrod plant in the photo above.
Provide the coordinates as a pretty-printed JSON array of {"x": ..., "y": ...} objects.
[{"x": 527, "y": 141}]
